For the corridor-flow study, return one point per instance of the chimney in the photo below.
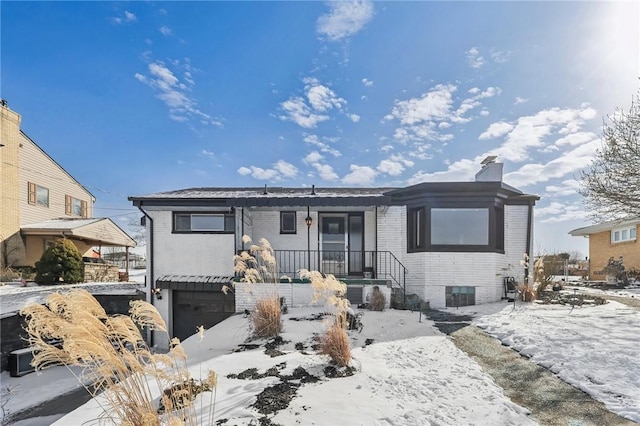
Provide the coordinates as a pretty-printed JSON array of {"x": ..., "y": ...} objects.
[{"x": 491, "y": 171}]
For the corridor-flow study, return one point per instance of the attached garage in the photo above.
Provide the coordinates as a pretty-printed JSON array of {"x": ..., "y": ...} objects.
[{"x": 197, "y": 301}]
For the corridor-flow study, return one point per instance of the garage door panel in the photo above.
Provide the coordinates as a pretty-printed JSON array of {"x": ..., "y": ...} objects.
[{"x": 192, "y": 309}]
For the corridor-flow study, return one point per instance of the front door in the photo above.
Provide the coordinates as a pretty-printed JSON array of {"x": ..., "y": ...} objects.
[{"x": 341, "y": 243}]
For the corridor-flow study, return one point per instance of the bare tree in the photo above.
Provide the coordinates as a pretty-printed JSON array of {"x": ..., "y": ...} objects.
[{"x": 612, "y": 183}]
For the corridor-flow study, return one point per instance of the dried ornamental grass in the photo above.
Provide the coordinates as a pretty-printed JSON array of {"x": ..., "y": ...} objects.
[
  {"x": 114, "y": 358},
  {"x": 335, "y": 344},
  {"x": 254, "y": 267},
  {"x": 266, "y": 318}
]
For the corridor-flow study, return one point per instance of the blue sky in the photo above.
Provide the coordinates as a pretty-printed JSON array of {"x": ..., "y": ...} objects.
[{"x": 139, "y": 97}]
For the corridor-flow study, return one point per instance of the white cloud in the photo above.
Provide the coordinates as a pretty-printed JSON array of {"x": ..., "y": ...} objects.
[
  {"x": 320, "y": 99},
  {"x": 322, "y": 144},
  {"x": 421, "y": 118},
  {"x": 207, "y": 154},
  {"x": 496, "y": 130},
  {"x": 559, "y": 212},
  {"x": 344, "y": 19},
  {"x": 565, "y": 188},
  {"x": 244, "y": 171},
  {"x": 474, "y": 59},
  {"x": 567, "y": 163},
  {"x": 390, "y": 167},
  {"x": 499, "y": 56},
  {"x": 325, "y": 171},
  {"x": 175, "y": 93},
  {"x": 354, "y": 117},
  {"x": 367, "y": 82},
  {"x": 127, "y": 18},
  {"x": 520, "y": 100},
  {"x": 285, "y": 169},
  {"x": 360, "y": 175},
  {"x": 166, "y": 31},
  {"x": 313, "y": 157},
  {"x": 532, "y": 131},
  {"x": 462, "y": 170},
  {"x": 577, "y": 138}
]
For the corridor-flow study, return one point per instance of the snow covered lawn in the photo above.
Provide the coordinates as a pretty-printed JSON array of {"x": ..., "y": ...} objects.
[{"x": 594, "y": 348}]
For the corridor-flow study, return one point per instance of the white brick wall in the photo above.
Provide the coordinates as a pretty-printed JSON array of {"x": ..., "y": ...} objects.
[
  {"x": 297, "y": 294},
  {"x": 429, "y": 273}
]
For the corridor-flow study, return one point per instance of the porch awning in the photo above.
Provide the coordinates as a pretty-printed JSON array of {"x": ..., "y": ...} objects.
[
  {"x": 193, "y": 282},
  {"x": 95, "y": 232}
]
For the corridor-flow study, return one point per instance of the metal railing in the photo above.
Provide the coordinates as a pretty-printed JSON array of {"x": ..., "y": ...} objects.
[{"x": 344, "y": 264}]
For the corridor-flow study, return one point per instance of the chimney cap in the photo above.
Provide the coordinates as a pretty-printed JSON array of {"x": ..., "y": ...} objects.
[{"x": 489, "y": 159}]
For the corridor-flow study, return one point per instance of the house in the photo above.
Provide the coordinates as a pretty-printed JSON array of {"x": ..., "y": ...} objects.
[
  {"x": 41, "y": 202},
  {"x": 616, "y": 239},
  {"x": 446, "y": 243}
]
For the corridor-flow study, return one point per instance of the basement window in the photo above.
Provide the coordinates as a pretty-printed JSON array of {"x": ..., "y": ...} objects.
[{"x": 460, "y": 296}]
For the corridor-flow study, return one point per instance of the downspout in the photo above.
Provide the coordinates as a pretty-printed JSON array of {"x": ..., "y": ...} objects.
[
  {"x": 150, "y": 269},
  {"x": 529, "y": 239}
]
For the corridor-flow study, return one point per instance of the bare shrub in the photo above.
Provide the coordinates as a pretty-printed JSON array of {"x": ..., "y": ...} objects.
[
  {"x": 527, "y": 293},
  {"x": 335, "y": 344},
  {"x": 377, "y": 300},
  {"x": 114, "y": 358}
]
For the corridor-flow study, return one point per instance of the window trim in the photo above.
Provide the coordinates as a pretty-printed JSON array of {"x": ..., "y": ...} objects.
[
  {"x": 69, "y": 207},
  {"x": 226, "y": 217},
  {"x": 32, "y": 194},
  {"x": 295, "y": 222},
  {"x": 629, "y": 230}
]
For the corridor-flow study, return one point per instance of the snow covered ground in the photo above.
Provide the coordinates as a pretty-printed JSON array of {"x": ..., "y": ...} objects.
[{"x": 410, "y": 374}]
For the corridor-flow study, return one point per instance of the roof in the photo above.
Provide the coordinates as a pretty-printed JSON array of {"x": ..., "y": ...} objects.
[
  {"x": 279, "y": 196},
  {"x": 266, "y": 196},
  {"x": 95, "y": 231},
  {"x": 606, "y": 226}
]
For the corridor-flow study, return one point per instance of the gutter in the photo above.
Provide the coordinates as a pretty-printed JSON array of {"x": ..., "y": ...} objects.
[
  {"x": 150, "y": 262},
  {"x": 529, "y": 239}
]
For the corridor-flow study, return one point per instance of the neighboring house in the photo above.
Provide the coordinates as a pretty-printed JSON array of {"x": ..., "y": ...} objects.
[
  {"x": 612, "y": 239},
  {"x": 448, "y": 243},
  {"x": 41, "y": 202}
]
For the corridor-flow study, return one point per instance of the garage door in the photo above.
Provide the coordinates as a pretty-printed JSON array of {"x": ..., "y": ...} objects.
[{"x": 191, "y": 309}]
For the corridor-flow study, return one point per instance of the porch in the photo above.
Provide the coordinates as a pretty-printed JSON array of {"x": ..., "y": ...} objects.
[{"x": 354, "y": 268}]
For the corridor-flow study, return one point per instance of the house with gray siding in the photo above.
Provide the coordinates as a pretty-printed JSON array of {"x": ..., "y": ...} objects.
[{"x": 445, "y": 243}]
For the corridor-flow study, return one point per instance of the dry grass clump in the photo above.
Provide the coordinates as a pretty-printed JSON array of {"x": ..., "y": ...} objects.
[
  {"x": 527, "y": 292},
  {"x": 377, "y": 300},
  {"x": 114, "y": 358},
  {"x": 258, "y": 265},
  {"x": 266, "y": 318},
  {"x": 334, "y": 342}
]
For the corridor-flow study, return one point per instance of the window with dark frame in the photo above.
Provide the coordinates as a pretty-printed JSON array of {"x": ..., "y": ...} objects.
[
  {"x": 460, "y": 229},
  {"x": 223, "y": 223},
  {"x": 416, "y": 228},
  {"x": 288, "y": 223}
]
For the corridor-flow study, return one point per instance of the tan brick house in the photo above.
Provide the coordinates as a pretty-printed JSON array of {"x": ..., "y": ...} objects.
[
  {"x": 611, "y": 239},
  {"x": 41, "y": 202}
]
